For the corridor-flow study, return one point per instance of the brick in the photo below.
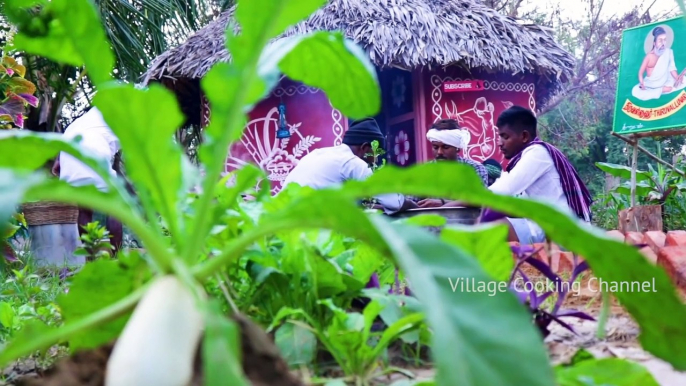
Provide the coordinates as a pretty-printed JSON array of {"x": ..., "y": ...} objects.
[
  {"x": 649, "y": 254},
  {"x": 673, "y": 260},
  {"x": 675, "y": 239},
  {"x": 633, "y": 238},
  {"x": 565, "y": 262},
  {"x": 542, "y": 253},
  {"x": 561, "y": 262},
  {"x": 655, "y": 240},
  {"x": 615, "y": 234}
]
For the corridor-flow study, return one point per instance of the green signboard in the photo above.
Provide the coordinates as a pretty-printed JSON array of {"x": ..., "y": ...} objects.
[{"x": 651, "y": 89}]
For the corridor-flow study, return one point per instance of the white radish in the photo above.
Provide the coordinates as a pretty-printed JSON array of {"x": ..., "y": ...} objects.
[{"x": 159, "y": 343}]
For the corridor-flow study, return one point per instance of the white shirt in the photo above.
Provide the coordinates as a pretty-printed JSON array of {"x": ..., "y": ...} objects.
[
  {"x": 98, "y": 140},
  {"x": 536, "y": 178},
  {"x": 332, "y": 166}
]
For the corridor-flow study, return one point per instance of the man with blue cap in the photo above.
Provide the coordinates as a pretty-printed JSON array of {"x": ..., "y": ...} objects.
[{"x": 332, "y": 166}]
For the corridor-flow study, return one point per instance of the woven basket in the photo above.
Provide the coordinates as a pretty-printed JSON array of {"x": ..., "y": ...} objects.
[{"x": 48, "y": 212}]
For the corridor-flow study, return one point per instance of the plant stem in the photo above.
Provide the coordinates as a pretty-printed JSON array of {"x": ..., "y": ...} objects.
[
  {"x": 604, "y": 315},
  {"x": 225, "y": 291},
  {"x": 234, "y": 115},
  {"x": 49, "y": 338}
]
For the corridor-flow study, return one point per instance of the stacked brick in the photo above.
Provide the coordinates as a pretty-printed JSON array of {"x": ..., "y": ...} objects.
[{"x": 667, "y": 250}]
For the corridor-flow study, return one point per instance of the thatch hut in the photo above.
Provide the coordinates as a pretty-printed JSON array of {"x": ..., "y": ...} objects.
[{"x": 435, "y": 59}]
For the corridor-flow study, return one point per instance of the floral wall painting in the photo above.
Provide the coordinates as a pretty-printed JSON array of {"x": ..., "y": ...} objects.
[
  {"x": 401, "y": 150},
  {"x": 401, "y": 141}
]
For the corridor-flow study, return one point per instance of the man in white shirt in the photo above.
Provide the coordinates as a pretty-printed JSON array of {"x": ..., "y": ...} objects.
[
  {"x": 448, "y": 140},
  {"x": 101, "y": 142},
  {"x": 536, "y": 170},
  {"x": 332, "y": 166}
]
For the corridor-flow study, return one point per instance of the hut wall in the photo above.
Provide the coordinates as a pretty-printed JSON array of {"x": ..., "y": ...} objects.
[
  {"x": 312, "y": 121},
  {"x": 475, "y": 110},
  {"x": 412, "y": 101},
  {"x": 399, "y": 116}
]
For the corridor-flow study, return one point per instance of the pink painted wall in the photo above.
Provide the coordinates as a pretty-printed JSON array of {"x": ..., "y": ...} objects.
[
  {"x": 311, "y": 119},
  {"x": 412, "y": 101},
  {"x": 475, "y": 110}
]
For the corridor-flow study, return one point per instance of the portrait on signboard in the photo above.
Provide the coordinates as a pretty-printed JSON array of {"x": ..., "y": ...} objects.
[
  {"x": 651, "y": 88},
  {"x": 658, "y": 74}
]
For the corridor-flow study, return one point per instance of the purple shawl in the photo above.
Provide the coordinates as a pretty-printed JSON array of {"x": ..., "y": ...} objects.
[{"x": 578, "y": 197}]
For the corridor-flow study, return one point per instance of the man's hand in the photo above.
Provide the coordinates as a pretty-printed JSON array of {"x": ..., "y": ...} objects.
[
  {"x": 679, "y": 79},
  {"x": 454, "y": 204},
  {"x": 430, "y": 203},
  {"x": 56, "y": 168}
]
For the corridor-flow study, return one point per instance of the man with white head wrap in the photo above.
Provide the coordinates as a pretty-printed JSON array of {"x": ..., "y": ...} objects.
[{"x": 447, "y": 141}]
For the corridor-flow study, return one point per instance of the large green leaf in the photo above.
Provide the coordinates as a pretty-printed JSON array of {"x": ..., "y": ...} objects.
[
  {"x": 487, "y": 244},
  {"x": 340, "y": 68},
  {"x": 610, "y": 260},
  {"x": 480, "y": 337},
  {"x": 38, "y": 148},
  {"x": 265, "y": 19},
  {"x": 98, "y": 285},
  {"x": 225, "y": 84},
  {"x": 607, "y": 371},
  {"x": 29, "y": 332},
  {"x": 297, "y": 344},
  {"x": 67, "y": 31},
  {"x": 643, "y": 188},
  {"x": 145, "y": 121},
  {"x": 329, "y": 210},
  {"x": 622, "y": 171}
]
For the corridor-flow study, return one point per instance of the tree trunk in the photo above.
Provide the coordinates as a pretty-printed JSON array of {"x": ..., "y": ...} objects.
[{"x": 641, "y": 218}]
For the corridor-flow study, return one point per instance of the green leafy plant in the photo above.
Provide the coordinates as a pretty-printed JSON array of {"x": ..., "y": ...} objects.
[
  {"x": 95, "y": 242},
  {"x": 377, "y": 151},
  {"x": 654, "y": 186},
  {"x": 160, "y": 312},
  {"x": 17, "y": 223},
  {"x": 352, "y": 342}
]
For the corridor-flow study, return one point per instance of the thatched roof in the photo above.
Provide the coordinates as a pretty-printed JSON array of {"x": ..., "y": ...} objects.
[
  {"x": 399, "y": 33},
  {"x": 403, "y": 33}
]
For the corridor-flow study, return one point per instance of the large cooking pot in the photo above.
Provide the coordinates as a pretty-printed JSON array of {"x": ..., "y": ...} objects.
[{"x": 454, "y": 216}]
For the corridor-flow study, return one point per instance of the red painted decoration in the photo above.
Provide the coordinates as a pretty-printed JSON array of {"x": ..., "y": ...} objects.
[
  {"x": 312, "y": 122},
  {"x": 412, "y": 101},
  {"x": 476, "y": 111}
]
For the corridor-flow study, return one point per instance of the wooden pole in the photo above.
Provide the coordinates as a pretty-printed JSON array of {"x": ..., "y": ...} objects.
[
  {"x": 634, "y": 166},
  {"x": 650, "y": 155}
]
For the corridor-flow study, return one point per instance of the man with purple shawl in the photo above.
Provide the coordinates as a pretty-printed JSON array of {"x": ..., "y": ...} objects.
[{"x": 538, "y": 171}]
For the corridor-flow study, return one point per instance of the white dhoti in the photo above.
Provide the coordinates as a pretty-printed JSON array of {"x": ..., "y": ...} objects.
[{"x": 659, "y": 78}]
